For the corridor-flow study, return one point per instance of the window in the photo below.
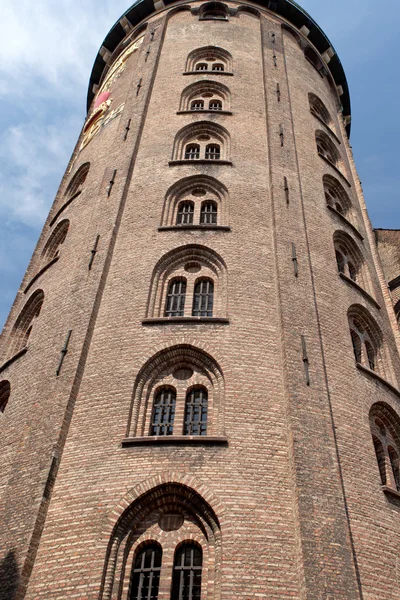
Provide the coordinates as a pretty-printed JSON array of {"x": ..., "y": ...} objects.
[
  {"x": 197, "y": 105},
  {"x": 209, "y": 58},
  {"x": 186, "y": 581},
  {"x": 213, "y": 152},
  {"x": 214, "y": 10},
  {"x": 327, "y": 149},
  {"x": 349, "y": 259},
  {"x": 196, "y": 412},
  {"x": 5, "y": 391},
  {"x": 336, "y": 197},
  {"x": 203, "y": 298},
  {"x": 145, "y": 578},
  {"x": 192, "y": 151},
  {"x": 76, "y": 184},
  {"x": 56, "y": 239},
  {"x": 208, "y": 214},
  {"x": 175, "y": 304},
  {"x": 215, "y": 105},
  {"x": 318, "y": 109},
  {"x": 385, "y": 430},
  {"x": 366, "y": 339},
  {"x": 163, "y": 412},
  {"x": 185, "y": 213},
  {"x": 314, "y": 59},
  {"x": 23, "y": 325}
]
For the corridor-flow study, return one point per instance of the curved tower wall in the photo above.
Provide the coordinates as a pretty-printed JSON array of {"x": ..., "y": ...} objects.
[{"x": 283, "y": 493}]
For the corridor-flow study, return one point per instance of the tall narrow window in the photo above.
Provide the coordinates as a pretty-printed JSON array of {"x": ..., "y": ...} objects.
[
  {"x": 5, "y": 390},
  {"x": 163, "y": 412},
  {"x": 355, "y": 338},
  {"x": 185, "y": 213},
  {"x": 203, "y": 298},
  {"x": 340, "y": 261},
  {"x": 197, "y": 105},
  {"x": 192, "y": 151},
  {"x": 380, "y": 457},
  {"x": 175, "y": 304},
  {"x": 208, "y": 213},
  {"x": 370, "y": 355},
  {"x": 196, "y": 412},
  {"x": 145, "y": 578},
  {"x": 186, "y": 580},
  {"x": 394, "y": 462},
  {"x": 213, "y": 151},
  {"x": 215, "y": 105}
]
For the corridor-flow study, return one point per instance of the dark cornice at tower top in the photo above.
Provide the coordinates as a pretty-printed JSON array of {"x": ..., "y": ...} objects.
[{"x": 288, "y": 9}]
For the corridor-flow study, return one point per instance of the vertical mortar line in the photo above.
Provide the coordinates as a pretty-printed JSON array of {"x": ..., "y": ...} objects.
[
  {"x": 66, "y": 421},
  {"x": 356, "y": 567},
  {"x": 279, "y": 294}
]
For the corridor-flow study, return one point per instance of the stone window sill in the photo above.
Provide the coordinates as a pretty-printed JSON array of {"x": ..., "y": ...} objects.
[
  {"x": 186, "y": 440},
  {"x": 360, "y": 289},
  {"x": 197, "y": 227},
  {"x": 338, "y": 171},
  {"x": 204, "y": 110},
  {"x": 192, "y": 320},
  {"x": 391, "y": 491},
  {"x": 39, "y": 273},
  {"x": 199, "y": 161},
  {"x": 375, "y": 375},
  {"x": 13, "y": 359},
  {"x": 346, "y": 221},
  {"x": 329, "y": 130},
  {"x": 225, "y": 73}
]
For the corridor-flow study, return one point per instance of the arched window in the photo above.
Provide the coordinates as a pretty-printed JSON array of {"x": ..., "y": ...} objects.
[
  {"x": 202, "y": 139},
  {"x": 209, "y": 58},
  {"x": 319, "y": 109},
  {"x": 197, "y": 105},
  {"x": 192, "y": 151},
  {"x": 327, "y": 149},
  {"x": 76, "y": 184},
  {"x": 336, "y": 197},
  {"x": 213, "y": 151},
  {"x": 185, "y": 213},
  {"x": 203, "y": 298},
  {"x": 349, "y": 259},
  {"x": 175, "y": 302},
  {"x": 162, "y": 422},
  {"x": 366, "y": 338},
  {"x": 186, "y": 580},
  {"x": 23, "y": 325},
  {"x": 215, "y": 105},
  {"x": 314, "y": 59},
  {"x": 145, "y": 578},
  {"x": 5, "y": 391},
  {"x": 385, "y": 430},
  {"x": 208, "y": 196},
  {"x": 208, "y": 213},
  {"x": 213, "y": 10},
  {"x": 56, "y": 239},
  {"x": 196, "y": 408}
]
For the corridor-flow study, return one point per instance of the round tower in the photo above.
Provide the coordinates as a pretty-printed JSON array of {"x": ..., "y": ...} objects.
[{"x": 199, "y": 380}]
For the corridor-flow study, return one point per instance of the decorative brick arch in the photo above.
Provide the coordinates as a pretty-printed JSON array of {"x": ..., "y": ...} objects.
[
  {"x": 385, "y": 431},
  {"x": 327, "y": 149},
  {"x": 198, "y": 188},
  {"x": 207, "y": 88},
  {"x": 366, "y": 334},
  {"x": 165, "y": 362},
  {"x": 176, "y": 263},
  {"x": 350, "y": 259},
  {"x": 336, "y": 196},
  {"x": 126, "y": 528},
  {"x": 202, "y": 133},
  {"x": 209, "y": 54},
  {"x": 55, "y": 240},
  {"x": 76, "y": 184},
  {"x": 318, "y": 108}
]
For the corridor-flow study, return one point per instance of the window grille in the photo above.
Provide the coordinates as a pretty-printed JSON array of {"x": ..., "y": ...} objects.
[
  {"x": 213, "y": 151},
  {"x": 186, "y": 583},
  {"x": 208, "y": 213},
  {"x": 145, "y": 578},
  {"x": 163, "y": 412},
  {"x": 192, "y": 151},
  {"x": 215, "y": 105},
  {"x": 202, "y": 67},
  {"x": 203, "y": 298},
  {"x": 175, "y": 303},
  {"x": 196, "y": 412},
  {"x": 218, "y": 67},
  {"x": 185, "y": 213},
  {"x": 197, "y": 105}
]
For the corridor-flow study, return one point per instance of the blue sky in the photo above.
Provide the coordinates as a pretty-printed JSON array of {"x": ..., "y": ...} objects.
[{"x": 48, "y": 49}]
